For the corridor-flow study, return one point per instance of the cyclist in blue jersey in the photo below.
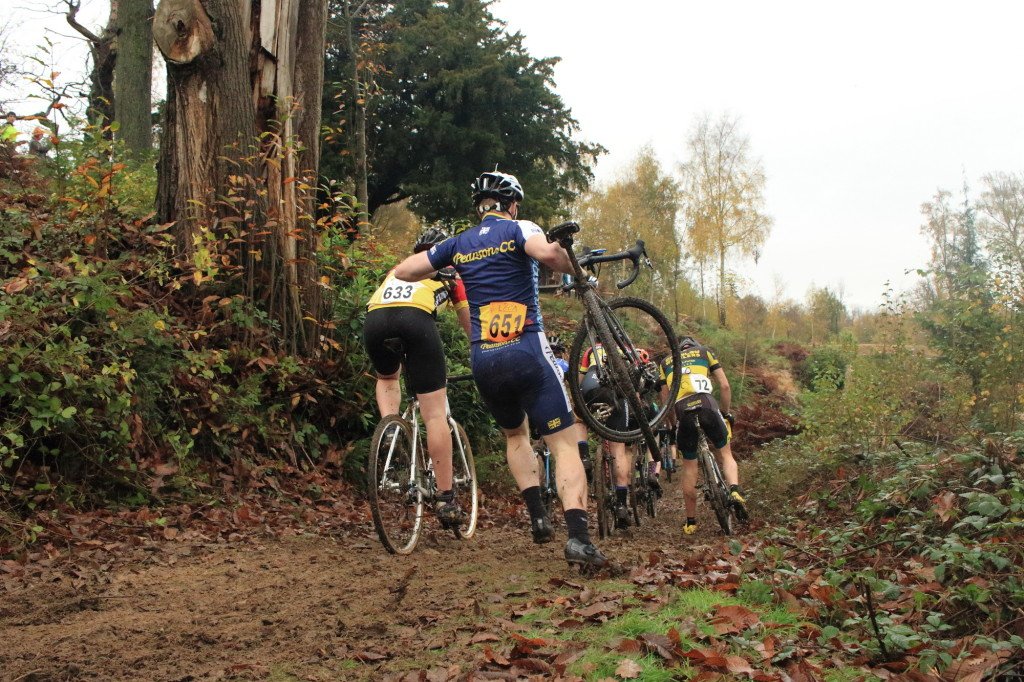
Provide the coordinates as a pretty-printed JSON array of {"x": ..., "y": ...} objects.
[{"x": 513, "y": 365}]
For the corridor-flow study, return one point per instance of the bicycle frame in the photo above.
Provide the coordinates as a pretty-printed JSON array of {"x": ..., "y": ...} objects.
[
  {"x": 411, "y": 415},
  {"x": 597, "y": 313}
]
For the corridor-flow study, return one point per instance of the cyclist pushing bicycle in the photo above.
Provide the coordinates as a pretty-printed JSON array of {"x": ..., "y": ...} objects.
[
  {"x": 401, "y": 328},
  {"x": 513, "y": 365},
  {"x": 694, "y": 404}
]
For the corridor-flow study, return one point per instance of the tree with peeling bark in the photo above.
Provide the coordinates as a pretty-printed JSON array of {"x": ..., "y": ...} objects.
[{"x": 240, "y": 150}]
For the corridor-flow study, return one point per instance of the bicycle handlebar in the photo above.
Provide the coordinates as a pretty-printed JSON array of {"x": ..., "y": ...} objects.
[
  {"x": 456, "y": 378},
  {"x": 634, "y": 254}
]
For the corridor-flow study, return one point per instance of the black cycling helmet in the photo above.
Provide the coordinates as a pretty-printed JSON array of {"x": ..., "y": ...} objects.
[
  {"x": 501, "y": 186},
  {"x": 687, "y": 342},
  {"x": 430, "y": 236},
  {"x": 556, "y": 344}
]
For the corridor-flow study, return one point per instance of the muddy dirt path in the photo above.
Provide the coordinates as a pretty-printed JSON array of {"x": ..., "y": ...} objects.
[{"x": 310, "y": 607}]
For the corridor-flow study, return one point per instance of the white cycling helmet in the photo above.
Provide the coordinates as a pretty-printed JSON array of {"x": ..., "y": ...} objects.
[{"x": 501, "y": 186}]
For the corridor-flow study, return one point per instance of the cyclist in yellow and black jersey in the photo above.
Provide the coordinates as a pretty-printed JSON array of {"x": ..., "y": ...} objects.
[
  {"x": 401, "y": 328},
  {"x": 694, "y": 403}
]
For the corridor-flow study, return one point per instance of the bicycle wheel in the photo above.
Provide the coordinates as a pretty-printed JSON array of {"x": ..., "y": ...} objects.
[
  {"x": 626, "y": 325},
  {"x": 396, "y": 498},
  {"x": 718, "y": 492},
  {"x": 604, "y": 498},
  {"x": 464, "y": 477}
]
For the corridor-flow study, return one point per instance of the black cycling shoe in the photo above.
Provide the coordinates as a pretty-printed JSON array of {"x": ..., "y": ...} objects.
[
  {"x": 543, "y": 531},
  {"x": 621, "y": 516},
  {"x": 449, "y": 514},
  {"x": 655, "y": 485},
  {"x": 584, "y": 554}
]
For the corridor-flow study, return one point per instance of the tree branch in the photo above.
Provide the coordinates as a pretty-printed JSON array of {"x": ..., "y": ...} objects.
[{"x": 72, "y": 19}]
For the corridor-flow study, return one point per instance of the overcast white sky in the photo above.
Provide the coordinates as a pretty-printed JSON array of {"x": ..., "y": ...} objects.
[{"x": 859, "y": 111}]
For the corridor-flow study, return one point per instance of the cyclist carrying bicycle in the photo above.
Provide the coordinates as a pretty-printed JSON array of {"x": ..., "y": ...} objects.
[
  {"x": 401, "y": 328},
  {"x": 695, "y": 404},
  {"x": 513, "y": 365}
]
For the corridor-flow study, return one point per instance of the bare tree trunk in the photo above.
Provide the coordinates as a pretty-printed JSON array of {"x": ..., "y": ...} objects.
[
  {"x": 721, "y": 285},
  {"x": 240, "y": 151},
  {"x": 359, "y": 123},
  {"x": 133, "y": 75}
]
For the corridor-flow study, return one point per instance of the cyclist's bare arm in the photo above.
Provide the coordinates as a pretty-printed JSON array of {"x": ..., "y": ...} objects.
[
  {"x": 724, "y": 389},
  {"x": 463, "y": 315},
  {"x": 549, "y": 253},
  {"x": 414, "y": 268}
]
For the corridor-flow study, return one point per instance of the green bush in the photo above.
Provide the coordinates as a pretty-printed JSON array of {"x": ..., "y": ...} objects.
[{"x": 825, "y": 368}]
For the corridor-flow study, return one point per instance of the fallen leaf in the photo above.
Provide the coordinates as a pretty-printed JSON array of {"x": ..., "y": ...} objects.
[
  {"x": 732, "y": 619},
  {"x": 628, "y": 669},
  {"x": 491, "y": 657}
]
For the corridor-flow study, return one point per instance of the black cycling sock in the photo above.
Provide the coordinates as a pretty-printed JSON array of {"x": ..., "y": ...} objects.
[
  {"x": 584, "y": 447},
  {"x": 534, "y": 504},
  {"x": 734, "y": 488},
  {"x": 690, "y": 521},
  {"x": 446, "y": 496},
  {"x": 576, "y": 525},
  {"x": 621, "y": 494}
]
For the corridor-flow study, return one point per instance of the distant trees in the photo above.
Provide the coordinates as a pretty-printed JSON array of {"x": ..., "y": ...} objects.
[
  {"x": 447, "y": 93},
  {"x": 972, "y": 306},
  {"x": 642, "y": 203},
  {"x": 723, "y": 198}
]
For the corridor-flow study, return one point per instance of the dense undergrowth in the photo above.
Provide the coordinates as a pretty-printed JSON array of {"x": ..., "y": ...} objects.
[
  {"x": 124, "y": 382},
  {"x": 901, "y": 515}
]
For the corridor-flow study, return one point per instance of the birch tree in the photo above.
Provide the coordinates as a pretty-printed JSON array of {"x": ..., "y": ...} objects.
[{"x": 723, "y": 198}]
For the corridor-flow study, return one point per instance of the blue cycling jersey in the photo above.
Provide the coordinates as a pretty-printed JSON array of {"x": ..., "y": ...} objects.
[{"x": 500, "y": 278}]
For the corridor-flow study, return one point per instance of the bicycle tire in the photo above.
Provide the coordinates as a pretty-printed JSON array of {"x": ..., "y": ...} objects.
[
  {"x": 464, "y": 476},
  {"x": 626, "y": 380},
  {"x": 717, "y": 492},
  {"x": 605, "y": 507},
  {"x": 546, "y": 481},
  {"x": 396, "y": 501}
]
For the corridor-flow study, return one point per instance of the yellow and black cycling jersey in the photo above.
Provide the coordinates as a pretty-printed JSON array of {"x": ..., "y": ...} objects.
[
  {"x": 427, "y": 294},
  {"x": 696, "y": 365}
]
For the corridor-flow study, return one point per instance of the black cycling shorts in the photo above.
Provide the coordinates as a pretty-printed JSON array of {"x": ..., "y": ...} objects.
[
  {"x": 395, "y": 335},
  {"x": 519, "y": 379},
  {"x": 703, "y": 408}
]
